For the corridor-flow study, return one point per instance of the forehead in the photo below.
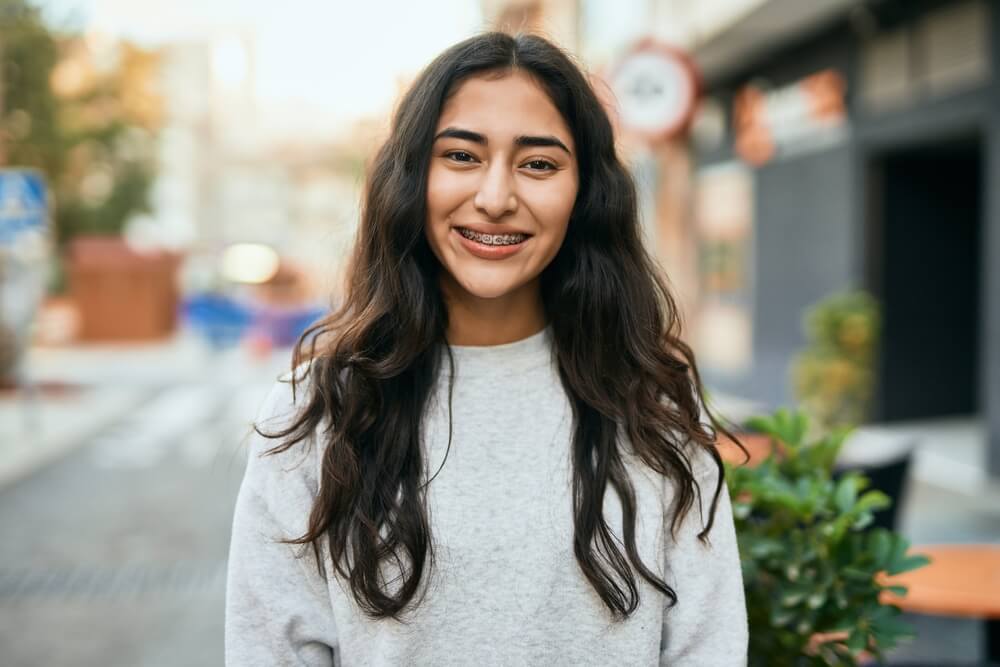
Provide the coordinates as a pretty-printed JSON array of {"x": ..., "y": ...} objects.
[{"x": 503, "y": 107}]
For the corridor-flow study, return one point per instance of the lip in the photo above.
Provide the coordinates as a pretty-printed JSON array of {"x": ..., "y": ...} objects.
[
  {"x": 484, "y": 251},
  {"x": 492, "y": 228}
]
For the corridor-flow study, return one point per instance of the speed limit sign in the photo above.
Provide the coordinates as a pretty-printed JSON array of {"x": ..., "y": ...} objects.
[{"x": 656, "y": 87}]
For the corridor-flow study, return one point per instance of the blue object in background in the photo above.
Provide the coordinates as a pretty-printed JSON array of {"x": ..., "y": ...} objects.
[
  {"x": 284, "y": 325},
  {"x": 220, "y": 319},
  {"x": 24, "y": 205},
  {"x": 225, "y": 322}
]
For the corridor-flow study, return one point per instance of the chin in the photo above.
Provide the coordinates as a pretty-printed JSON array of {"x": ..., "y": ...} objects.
[{"x": 488, "y": 289}]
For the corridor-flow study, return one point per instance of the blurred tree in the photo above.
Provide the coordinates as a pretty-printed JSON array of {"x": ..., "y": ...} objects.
[
  {"x": 89, "y": 127},
  {"x": 29, "y": 131},
  {"x": 109, "y": 118}
]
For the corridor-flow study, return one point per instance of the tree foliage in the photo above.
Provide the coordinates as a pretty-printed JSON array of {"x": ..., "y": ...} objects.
[
  {"x": 93, "y": 137},
  {"x": 29, "y": 131}
]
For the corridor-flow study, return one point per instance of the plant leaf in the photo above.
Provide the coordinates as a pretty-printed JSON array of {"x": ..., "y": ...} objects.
[
  {"x": 909, "y": 563},
  {"x": 846, "y": 493},
  {"x": 880, "y": 545}
]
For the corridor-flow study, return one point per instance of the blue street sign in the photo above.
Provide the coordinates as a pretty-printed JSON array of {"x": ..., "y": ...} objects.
[{"x": 23, "y": 204}]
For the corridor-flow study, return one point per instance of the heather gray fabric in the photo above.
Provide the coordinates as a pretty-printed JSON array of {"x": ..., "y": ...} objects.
[{"x": 506, "y": 588}]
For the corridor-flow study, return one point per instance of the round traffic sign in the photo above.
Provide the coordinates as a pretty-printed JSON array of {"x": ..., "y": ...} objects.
[{"x": 656, "y": 87}]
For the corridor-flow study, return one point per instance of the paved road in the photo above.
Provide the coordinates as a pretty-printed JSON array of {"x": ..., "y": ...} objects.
[{"x": 116, "y": 555}]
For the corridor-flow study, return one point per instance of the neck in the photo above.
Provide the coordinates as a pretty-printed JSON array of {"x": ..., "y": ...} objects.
[{"x": 476, "y": 321}]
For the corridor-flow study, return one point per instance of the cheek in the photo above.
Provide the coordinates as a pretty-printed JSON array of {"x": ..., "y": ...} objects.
[
  {"x": 553, "y": 205},
  {"x": 444, "y": 194}
]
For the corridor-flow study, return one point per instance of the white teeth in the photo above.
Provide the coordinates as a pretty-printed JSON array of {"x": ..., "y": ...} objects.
[{"x": 492, "y": 239}]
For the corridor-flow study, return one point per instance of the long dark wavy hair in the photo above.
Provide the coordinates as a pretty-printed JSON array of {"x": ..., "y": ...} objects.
[{"x": 375, "y": 360}]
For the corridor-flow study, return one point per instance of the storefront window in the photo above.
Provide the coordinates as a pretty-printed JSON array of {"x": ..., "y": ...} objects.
[{"x": 724, "y": 236}]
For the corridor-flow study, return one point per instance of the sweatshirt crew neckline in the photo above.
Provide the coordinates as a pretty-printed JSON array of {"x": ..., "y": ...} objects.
[{"x": 516, "y": 356}]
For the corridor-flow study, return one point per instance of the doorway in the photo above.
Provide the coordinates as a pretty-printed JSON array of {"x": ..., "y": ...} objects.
[{"x": 924, "y": 268}]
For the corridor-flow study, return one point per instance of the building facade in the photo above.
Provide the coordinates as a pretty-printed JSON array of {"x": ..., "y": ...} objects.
[{"x": 858, "y": 148}]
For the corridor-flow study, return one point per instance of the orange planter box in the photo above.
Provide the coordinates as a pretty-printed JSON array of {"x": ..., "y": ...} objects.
[{"x": 122, "y": 294}]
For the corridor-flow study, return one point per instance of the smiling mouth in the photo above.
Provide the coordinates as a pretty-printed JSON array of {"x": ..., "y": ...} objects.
[{"x": 492, "y": 239}]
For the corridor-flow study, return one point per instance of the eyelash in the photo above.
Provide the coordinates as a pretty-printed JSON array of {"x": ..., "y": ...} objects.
[{"x": 548, "y": 165}]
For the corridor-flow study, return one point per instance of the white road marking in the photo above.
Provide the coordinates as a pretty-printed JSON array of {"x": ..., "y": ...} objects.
[{"x": 191, "y": 421}]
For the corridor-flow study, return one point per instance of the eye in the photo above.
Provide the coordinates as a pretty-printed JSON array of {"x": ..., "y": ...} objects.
[
  {"x": 460, "y": 156},
  {"x": 540, "y": 165}
]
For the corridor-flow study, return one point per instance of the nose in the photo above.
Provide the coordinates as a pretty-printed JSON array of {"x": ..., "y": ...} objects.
[{"x": 496, "y": 197}]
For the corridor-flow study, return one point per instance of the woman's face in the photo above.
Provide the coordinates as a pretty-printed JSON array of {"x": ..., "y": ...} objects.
[{"x": 501, "y": 186}]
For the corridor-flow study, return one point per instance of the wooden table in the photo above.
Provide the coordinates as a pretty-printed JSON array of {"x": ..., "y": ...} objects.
[{"x": 961, "y": 580}]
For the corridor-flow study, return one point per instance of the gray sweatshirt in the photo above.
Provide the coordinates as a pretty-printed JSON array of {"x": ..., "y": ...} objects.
[{"x": 506, "y": 588}]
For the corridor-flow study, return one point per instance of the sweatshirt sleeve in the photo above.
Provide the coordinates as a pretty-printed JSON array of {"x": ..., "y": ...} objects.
[
  {"x": 708, "y": 625},
  {"x": 278, "y": 609}
]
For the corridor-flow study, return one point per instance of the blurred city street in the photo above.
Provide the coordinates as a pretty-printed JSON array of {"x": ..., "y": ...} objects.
[
  {"x": 113, "y": 549},
  {"x": 180, "y": 193}
]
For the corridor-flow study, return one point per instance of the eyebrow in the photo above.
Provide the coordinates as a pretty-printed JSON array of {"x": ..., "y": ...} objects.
[{"x": 520, "y": 140}]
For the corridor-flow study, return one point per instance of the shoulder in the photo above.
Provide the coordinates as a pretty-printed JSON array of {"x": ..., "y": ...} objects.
[
  {"x": 704, "y": 466},
  {"x": 284, "y": 481},
  {"x": 286, "y": 396},
  {"x": 707, "y": 489}
]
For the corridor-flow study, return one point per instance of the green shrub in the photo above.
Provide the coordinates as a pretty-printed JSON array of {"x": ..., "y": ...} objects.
[
  {"x": 833, "y": 376},
  {"x": 810, "y": 562}
]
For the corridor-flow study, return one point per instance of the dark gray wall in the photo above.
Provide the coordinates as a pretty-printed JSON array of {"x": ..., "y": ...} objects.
[
  {"x": 804, "y": 250},
  {"x": 990, "y": 386},
  {"x": 805, "y": 239}
]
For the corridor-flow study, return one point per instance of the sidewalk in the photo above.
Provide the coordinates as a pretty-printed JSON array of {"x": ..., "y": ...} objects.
[
  {"x": 102, "y": 384},
  {"x": 38, "y": 430}
]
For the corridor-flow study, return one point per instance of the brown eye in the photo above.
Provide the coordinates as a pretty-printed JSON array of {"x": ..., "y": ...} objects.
[
  {"x": 540, "y": 165},
  {"x": 460, "y": 156}
]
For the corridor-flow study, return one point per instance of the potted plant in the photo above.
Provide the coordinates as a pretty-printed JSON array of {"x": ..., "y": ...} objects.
[
  {"x": 812, "y": 562},
  {"x": 833, "y": 380}
]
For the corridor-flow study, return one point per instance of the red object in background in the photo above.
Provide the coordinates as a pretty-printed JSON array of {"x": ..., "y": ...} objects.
[
  {"x": 122, "y": 294},
  {"x": 765, "y": 119}
]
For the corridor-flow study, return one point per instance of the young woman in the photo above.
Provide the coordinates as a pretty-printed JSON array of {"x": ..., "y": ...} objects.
[{"x": 495, "y": 453}]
